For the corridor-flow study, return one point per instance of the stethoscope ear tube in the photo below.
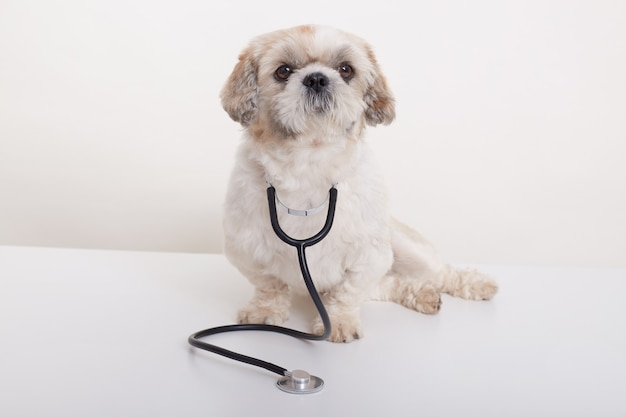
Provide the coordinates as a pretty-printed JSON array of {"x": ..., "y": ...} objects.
[
  {"x": 300, "y": 245},
  {"x": 330, "y": 216}
]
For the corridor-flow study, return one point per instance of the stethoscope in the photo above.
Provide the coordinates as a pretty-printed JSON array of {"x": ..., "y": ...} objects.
[{"x": 296, "y": 381}]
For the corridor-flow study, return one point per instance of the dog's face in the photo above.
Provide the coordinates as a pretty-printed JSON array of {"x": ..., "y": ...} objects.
[{"x": 307, "y": 81}]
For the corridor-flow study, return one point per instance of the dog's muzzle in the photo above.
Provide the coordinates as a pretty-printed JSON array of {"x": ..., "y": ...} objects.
[
  {"x": 316, "y": 81},
  {"x": 318, "y": 92}
]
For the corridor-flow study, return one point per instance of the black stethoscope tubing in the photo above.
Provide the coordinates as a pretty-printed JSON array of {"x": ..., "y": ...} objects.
[{"x": 300, "y": 245}]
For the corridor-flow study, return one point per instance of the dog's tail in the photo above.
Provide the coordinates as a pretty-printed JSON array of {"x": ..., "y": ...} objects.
[{"x": 418, "y": 275}]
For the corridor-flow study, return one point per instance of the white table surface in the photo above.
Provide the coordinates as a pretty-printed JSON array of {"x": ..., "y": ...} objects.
[{"x": 104, "y": 333}]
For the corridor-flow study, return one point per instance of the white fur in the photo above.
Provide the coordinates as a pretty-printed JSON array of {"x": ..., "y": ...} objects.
[{"x": 303, "y": 148}]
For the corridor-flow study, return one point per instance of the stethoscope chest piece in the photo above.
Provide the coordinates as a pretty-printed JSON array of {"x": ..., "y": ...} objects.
[{"x": 300, "y": 382}]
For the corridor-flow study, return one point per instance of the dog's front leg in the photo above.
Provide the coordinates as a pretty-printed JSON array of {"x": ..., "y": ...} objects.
[
  {"x": 343, "y": 304},
  {"x": 270, "y": 303}
]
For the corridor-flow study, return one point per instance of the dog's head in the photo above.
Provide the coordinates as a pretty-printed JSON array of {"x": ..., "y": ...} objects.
[{"x": 307, "y": 80}]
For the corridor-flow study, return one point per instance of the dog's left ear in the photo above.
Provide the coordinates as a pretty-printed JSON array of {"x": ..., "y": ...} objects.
[
  {"x": 381, "y": 108},
  {"x": 239, "y": 95}
]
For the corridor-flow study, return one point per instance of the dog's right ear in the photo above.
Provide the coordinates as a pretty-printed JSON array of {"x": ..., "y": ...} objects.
[{"x": 239, "y": 95}]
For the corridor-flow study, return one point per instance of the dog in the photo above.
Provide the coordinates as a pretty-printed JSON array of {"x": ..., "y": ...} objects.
[{"x": 304, "y": 96}]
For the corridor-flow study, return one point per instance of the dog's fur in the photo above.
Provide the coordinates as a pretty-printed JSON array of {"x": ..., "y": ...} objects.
[{"x": 304, "y": 136}]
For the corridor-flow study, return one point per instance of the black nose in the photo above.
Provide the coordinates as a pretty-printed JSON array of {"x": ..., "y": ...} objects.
[{"x": 316, "y": 81}]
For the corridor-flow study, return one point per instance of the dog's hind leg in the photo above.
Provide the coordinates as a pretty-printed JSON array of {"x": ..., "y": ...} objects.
[
  {"x": 416, "y": 260},
  {"x": 412, "y": 280},
  {"x": 468, "y": 284},
  {"x": 418, "y": 295}
]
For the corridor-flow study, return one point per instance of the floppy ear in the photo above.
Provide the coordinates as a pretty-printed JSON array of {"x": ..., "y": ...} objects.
[
  {"x": 379, "y": 99},
  {"x": 239, "y": 95}
]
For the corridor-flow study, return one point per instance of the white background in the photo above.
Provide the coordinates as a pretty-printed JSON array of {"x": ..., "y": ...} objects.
[{"x": 508, "y": 147}]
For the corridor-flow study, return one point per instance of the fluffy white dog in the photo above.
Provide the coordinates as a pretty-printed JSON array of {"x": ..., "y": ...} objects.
[{"x": 305, "y": 96}]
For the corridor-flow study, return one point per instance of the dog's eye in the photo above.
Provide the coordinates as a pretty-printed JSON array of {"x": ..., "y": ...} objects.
[
  {"x": 345, "y": 71},
  {"x": 283, "y": 72}
]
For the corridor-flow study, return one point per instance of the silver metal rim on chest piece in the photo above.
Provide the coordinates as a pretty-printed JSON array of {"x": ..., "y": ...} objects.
[{"x": 300, "y": 382}]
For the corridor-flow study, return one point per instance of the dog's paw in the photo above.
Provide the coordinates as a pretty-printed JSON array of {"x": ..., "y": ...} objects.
[
  {"x": 474, "y": 285},
  {"x": 262, "y": 315},
  {"x": 483, "y": 290},
  {"x": 418, "y": 296},
  {"x": 425, "y": 299},
  {"x": 344, "y": 330}
]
